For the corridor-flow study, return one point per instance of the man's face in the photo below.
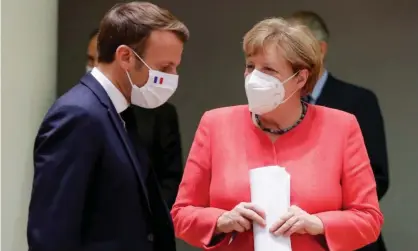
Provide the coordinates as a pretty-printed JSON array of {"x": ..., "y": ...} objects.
[
  {"x": 163, "y": 53},
  {"x": 92, "y": 53},
  {"x": 324, "y": 49}
]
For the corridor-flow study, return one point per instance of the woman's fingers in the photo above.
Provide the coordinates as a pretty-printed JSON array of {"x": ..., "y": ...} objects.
[
  {"x": 296, "y": 227},
  {"x": 243, "y": 215},
  {"x": 251, "y": 215},
  {"x": 281, "y": 221},
  {"x": 286, "y": 226},
  {"x": 237, "y": 227},
  {"x": 238, "y": 223},
  {"x": 246, "y": 224},
  {"x": 256, "y": 209}
]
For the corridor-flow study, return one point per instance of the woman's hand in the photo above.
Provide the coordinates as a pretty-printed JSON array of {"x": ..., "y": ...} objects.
[
  {"x": 297, "y": 221},
  {"x": 240, "y": 218}
]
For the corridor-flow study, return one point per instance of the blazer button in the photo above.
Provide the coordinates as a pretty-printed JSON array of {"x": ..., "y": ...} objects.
[{"x": 150, "y": 237}]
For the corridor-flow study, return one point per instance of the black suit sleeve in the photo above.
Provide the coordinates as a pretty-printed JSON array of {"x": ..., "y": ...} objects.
[
  {"x": 64, "y": 155},
  {"x": 168, "y": 153},
  {"x": 370, "y": 119}
]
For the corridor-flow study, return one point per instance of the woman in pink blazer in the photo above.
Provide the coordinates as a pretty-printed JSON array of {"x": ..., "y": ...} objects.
[{"x": 333, "y": 192}]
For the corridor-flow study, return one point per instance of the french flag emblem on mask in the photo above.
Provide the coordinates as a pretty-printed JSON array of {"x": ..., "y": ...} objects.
[{"x": 158, "y": 80}]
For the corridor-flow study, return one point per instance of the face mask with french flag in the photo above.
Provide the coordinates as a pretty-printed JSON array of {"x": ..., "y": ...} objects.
[
  {"x": 158, "y": 89},
  {"x": 158, "y": 80}
]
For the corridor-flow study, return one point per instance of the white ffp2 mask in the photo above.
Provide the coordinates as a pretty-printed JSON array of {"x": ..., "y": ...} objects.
[
  {"x": 265, "y": 92},
  {"x": 158, "y": 89}
]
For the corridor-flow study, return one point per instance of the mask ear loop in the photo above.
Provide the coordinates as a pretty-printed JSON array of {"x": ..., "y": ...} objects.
[
  {"x": 289, "y": 78},
  {"x": 293, "y": 93},
  {"x": 129, "y": 77},
  {"x": 141, "y": 59},
  {"x": 127, "y": 73}
]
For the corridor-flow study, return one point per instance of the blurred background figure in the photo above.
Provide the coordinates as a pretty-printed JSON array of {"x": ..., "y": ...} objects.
[
  {"x": 361, "y": 102},
  {"x": 92, "y": 50},
  {"x": 159, "y": 130}
]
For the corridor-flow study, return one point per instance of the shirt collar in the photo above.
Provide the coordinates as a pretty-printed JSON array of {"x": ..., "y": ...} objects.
[
  {"x": 116, "y": 96},
  {"x": 319, "y": 86}
]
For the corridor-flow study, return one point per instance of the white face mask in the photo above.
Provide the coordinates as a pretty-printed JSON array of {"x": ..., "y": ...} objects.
[
  {"x": 265, "y": 92},
  {"x": 88, "y": 68},
  {"x": 158, "y": 89}
]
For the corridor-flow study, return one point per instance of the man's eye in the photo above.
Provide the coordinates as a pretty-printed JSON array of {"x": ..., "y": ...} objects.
[
  {"x": 164, "y": 69},
  {"x": 168, "y": 69}
]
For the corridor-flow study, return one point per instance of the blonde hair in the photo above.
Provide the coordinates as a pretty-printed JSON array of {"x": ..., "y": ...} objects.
[{"x": 301, "y": 49}]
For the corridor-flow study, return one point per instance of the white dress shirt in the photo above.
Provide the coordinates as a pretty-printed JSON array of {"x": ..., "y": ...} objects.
[{"x": 116, "y": 96}]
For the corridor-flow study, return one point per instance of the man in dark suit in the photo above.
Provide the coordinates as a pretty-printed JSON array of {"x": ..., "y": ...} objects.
[
  {"x": 332, "y": 92},
  {"x": 93, "y": 189},
  {"x": 159, "y": 133}
]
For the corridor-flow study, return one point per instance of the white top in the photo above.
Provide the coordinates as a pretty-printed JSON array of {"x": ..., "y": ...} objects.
[{"x": 116, "y": 96}]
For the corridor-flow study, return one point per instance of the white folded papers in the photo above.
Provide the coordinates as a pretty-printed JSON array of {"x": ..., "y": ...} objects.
[{"x": 270, "y": 190}]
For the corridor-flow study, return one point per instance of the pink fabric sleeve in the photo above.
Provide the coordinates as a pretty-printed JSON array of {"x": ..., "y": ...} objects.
[
  {"x": 194, "y": 221},
  {"x": 360, "y": 221}
]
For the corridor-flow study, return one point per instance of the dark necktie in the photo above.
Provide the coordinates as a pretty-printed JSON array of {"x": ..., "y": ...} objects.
[
  {"x": 159, "y": 218},
  {"x": 131, "y": 127},
  {"x": 128, "y": 117}
]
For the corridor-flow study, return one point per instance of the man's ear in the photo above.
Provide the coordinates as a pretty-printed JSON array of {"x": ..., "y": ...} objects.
[
  {"x": 124, "y": 58},
  {"x": 324, "y": 49}
]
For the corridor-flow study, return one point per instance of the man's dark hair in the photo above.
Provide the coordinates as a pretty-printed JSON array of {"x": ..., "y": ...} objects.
[
  {"x": 93, "y": 33},
  {"x": 131, "y": 24}
]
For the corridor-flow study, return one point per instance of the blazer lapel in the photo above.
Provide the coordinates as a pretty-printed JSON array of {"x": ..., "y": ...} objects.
[
  {"x": 326, "y": 98},
  {"x": 89, "y": 81}
]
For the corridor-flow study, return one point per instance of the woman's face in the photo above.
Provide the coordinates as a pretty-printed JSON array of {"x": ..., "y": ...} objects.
[{"x": 271, "y": 61}]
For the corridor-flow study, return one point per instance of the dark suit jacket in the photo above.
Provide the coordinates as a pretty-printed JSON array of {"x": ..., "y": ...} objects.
[
  {"x": 159, "y": 131},
  {"x": 88, "y": 191},
  {"x": 364, "y": 105}
]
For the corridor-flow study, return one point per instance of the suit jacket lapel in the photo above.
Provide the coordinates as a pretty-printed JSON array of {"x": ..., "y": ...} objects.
[
  {"x": 101, "y": 94},
  {"x": 326, "y": 98}
]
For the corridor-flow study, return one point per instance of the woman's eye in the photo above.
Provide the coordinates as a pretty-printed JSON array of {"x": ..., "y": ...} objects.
[
  {"x": 269, "y": 69},
  {"x": 249, "y": 66}
]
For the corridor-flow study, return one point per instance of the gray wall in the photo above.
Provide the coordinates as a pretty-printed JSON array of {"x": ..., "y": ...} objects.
[
  {"x": 373, "y": 44},
  {"x": 28, "y": 58}
]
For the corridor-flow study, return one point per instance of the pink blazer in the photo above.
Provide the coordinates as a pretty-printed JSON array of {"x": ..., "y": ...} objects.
[{"x": 325, "y": 155}]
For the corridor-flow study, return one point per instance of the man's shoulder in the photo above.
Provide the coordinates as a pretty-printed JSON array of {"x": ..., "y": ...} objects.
[
  {"x": 351, "y": 89},
  {"x": 79, "y": 101}
]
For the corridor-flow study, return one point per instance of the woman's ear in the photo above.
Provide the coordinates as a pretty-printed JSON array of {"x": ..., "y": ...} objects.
[{"x": 302, "y": 77}]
